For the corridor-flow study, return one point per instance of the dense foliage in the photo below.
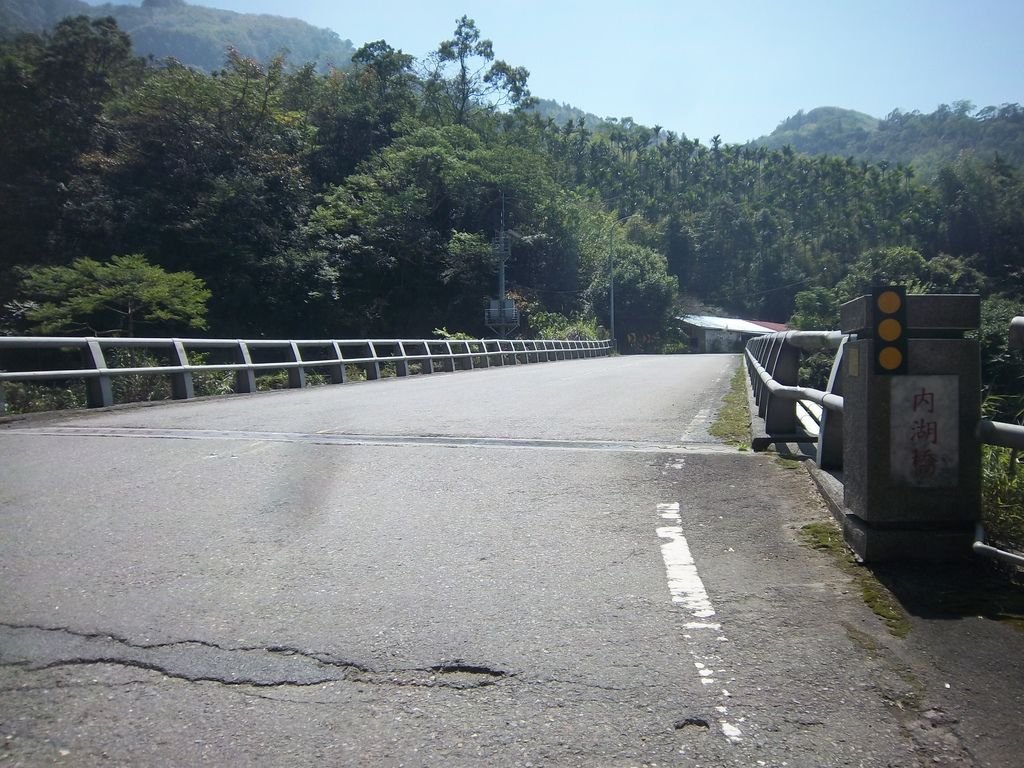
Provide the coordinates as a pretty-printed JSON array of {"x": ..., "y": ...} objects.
[
  {"x": 364, "y": 201},
  {"x": 113, "y": 298},
  {"x": 926, "y": 141}
]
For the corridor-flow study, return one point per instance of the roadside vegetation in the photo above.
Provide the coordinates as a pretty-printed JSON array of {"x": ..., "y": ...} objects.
[
  {"x": 732, "y": 424},
  {"x": 1002, "y": 477},
  {"x": 826, "y": 536}
]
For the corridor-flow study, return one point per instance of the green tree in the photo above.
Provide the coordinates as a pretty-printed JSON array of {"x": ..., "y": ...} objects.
[
  {"x": 53, "y": 89},
  {"x": 1002, "y": 369},
  {"x": 205, "y": 173},
  {"x": 815, "y": 309},
  {"x": 645, "y": 296},
  {"x": 884, "y": 266},
  {"x": 113, "y": 298},
  {"x": 408, "y": 237},
  {"x": 356, "y": 112},
  {"x": 464, "y": 77}
]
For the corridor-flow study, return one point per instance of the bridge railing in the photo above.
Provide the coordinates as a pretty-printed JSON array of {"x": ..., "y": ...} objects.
[
  {"x": 1006, "y": 436},
  {"x": 773, "y": 364},
  {"x": 250, "y": 357}
]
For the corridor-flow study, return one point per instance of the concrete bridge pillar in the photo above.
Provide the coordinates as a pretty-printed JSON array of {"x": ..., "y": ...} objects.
[{"x": 912, "y": 399}]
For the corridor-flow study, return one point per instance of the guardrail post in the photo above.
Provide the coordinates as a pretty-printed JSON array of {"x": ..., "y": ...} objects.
[
  {"x": 830, "y": 428},
  {"x": 373, "y": 367},
  {"x": 181, "y": 383},
  {"x": 780, "y": 413},
  {"x": 911, "y": 393},
  {"x": 99, "y": 392},
  {"x": 426, "y": 364},
  {"x": 297, "y": 375},
  {"x": 401, "y": 366},
  {"x": 759, "y": 349},
  {"x": 498, "y": 356},
  {"x": 448, "y": 365},
  {"x": 337, "y": 371},
  {"x": 245, "y": 378},
  {"x": 1016, "y": 337}
]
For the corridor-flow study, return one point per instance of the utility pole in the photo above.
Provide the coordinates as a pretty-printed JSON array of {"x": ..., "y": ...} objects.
[
  {"x": 501, "y": 314},
  {"x": 611, "y": 274}
]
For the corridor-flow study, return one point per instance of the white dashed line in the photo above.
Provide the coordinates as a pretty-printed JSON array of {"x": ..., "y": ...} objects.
[
  {"x": 688, "y": 592},
  {"x": 698, "y": 427}
]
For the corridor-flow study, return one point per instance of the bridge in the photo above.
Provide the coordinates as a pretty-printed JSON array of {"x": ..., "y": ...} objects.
[{"x": 533, "y": 564}]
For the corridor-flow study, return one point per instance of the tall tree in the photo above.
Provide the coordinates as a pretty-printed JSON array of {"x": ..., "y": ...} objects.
[
  {"x": 53, "y": 90},
  {"x": 203, "y": 172},
  {"x": 112, "y": 298},
  {"x": 357, "y": 112},
  {"x": 464, "y": 77}
]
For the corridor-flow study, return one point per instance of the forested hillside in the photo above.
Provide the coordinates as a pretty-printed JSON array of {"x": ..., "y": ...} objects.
[
  {"x": 926, "y": 141},
  {"x": 363, "y": 202},
  {"x": 192, "y": 34},
  {"x": 563, "y": 113}
]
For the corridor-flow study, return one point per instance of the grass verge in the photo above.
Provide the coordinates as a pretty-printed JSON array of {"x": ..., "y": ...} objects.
[
  {"x": 1002, "y": 482},
  {"x": 732, "y": 423},
  {"x": 825, "y": 536}
]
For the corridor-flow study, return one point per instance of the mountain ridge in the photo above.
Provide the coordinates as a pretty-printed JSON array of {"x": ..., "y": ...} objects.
[
  {"x": 925, "y": 141},
  {"x": 199, "y": 36},
  {"x": 195, "y": 35}
]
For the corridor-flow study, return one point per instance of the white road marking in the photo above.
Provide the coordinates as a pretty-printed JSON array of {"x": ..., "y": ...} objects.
[
  {"x": 688, "y": 591},
  {"x": 698, "y": 427},
  {"x": 683, "y": 580},
  {"x": 731, "y": 732}
]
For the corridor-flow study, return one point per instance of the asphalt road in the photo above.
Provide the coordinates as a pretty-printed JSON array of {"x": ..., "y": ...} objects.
[{"x": 542, "y": 565}]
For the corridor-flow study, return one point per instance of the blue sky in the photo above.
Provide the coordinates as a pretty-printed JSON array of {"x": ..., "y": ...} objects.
[{"x": 730, "y": 67}]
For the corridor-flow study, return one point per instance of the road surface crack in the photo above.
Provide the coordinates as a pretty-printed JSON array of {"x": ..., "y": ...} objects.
[{"x": 38, "y": 648}]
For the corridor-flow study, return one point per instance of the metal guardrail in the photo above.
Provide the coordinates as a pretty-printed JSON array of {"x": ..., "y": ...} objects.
[
  {"x": 773, "y": 365},
  {"x": 1017, "y": 333},
  {"x": 1006, "y": 436},
  {"x": 1001, "y": 434},
  {"x": 247, "y": 358}
]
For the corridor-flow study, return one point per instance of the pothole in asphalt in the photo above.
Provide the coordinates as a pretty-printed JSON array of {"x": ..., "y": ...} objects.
[
  {"x": 458, "y": 667},
  {"x": 692, "y": 722},
  {"x": 458, "y": 674}
]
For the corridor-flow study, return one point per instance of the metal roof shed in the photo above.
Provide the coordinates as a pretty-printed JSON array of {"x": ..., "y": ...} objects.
[{"x": 719, "y": 334}]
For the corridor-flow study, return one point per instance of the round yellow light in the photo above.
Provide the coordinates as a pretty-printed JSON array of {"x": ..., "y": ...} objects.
[
  {"x": 890, "y": 329},
  {"x": 889, "y": 302},
  {"x": 890, "y": 358}
]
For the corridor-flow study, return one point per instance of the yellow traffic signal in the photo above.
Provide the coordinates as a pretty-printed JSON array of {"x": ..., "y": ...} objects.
[{"x": 889, "y": 311}]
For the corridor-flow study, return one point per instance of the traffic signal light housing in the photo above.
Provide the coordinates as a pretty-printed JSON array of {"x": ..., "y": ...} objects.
[{"x": 889, "y": 330}]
